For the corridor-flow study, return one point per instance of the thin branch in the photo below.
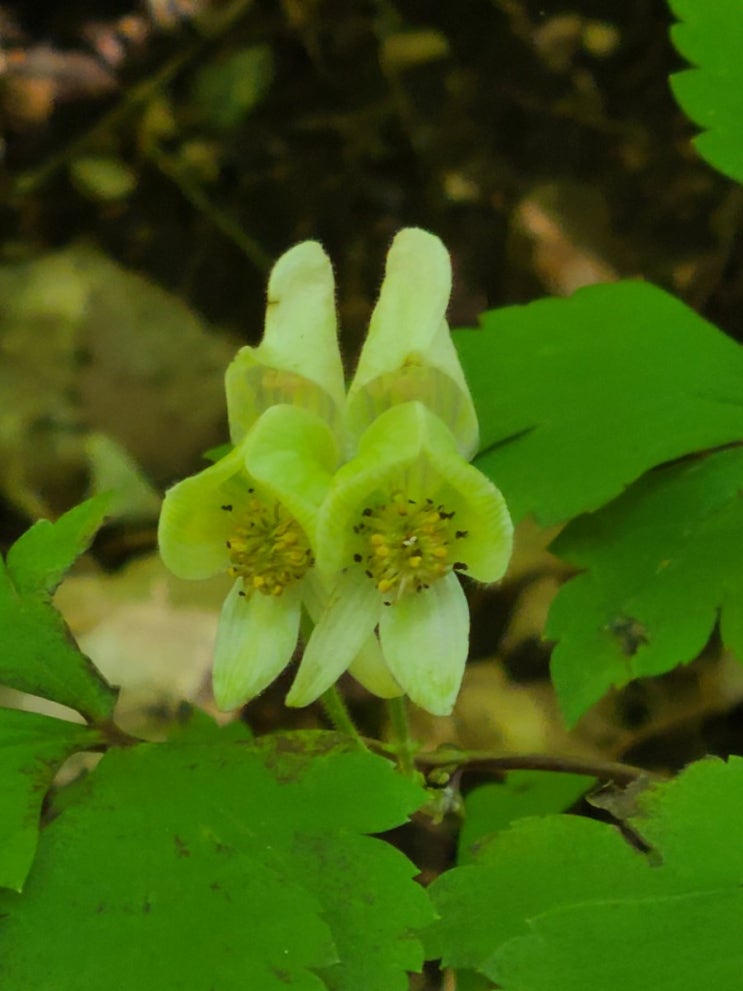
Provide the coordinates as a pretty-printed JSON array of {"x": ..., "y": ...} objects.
[
  {"x": 221, "y": 219},
  {"x": 136, "y": 95},
  {"x": 495, "y": 763}
]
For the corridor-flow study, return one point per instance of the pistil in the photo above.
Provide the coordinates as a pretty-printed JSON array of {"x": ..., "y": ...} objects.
[
  {"x": 405, "y": 545},
  {"x": 268, "y": 548}
]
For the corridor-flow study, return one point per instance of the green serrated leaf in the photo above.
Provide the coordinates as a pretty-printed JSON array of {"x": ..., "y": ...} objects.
[
  {"x": 566, "y": 904},
  {"x": 367, "y": 897},
  {"x": 275, "y": 873},
  {"x": 38, "y": 560},
  {"x": 578, "y": 397},
  {"x": 31, "y": 749},
  {"x": 690, "y": 814},
  {"x": 709, "y": 36},
  {"x": 524, "y": 793},
  {"x": 313, "y": 761},
  {"x": 662, "y": 561},
  {"x": 536, "y": 864},
  {"x": 38, "y": 654},
  {"x": 677, "y": 943}
]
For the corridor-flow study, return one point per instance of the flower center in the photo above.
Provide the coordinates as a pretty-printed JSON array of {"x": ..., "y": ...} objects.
[
  {"x": 268, "y": 548},
  {"x": 406, "y": 544}
]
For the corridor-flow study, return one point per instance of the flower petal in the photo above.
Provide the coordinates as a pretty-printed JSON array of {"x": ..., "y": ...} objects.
[
  {"x": 348, "y": 619},
  {"x": 370, "y": 670},
  {"x": 256, "y": 638},
  {"x": 481, "y": 515},
  {"x": 368, "y": 667},
  {"x": 298, "y": 361},
  {"x": 292, "y": 453},
  {"x": 392, "y": 443},
  {"x": 408, "y": 353},
  {"x": 425, "y": 639},
  {"x": 409, "y": 448},
  {"x": 193, "y": 527}
]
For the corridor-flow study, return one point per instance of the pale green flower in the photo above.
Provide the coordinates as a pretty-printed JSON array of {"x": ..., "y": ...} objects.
[
  {"x": 400, "y": 519},
  {"x": 408, "y": 354},
  {"x": 297, "y": 361},
  {"x": 231, "y": 518},
  {"x": 389, "y": 530}
]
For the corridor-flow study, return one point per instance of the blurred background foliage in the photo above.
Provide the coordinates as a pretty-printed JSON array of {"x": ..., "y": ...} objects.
[
  {"x": 192, "y": 141},
  {"x": 157, "y": 155}
]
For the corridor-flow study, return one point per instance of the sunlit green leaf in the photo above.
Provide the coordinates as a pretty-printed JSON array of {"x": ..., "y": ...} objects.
[
  {"x": 470, "y": 980},
  {"x": 536, "y": 864},
  {"x": 524, "y": 793},
  {"x": 684, "y": 937},
  {"x": 31, "y": 749},
  {"x": 683, "y": 942},
  {"x": 708, "y": 36},
  {"x": 37, "y": 652},
  {"x": 662, "y": 562},
  {"x": 365, "y": 889},
  {"x": 260, "y": 848},
  {"x": 569, "y": 904},
  {"x": 40, "y": 557},
  {"x": 578, "y": 397}
]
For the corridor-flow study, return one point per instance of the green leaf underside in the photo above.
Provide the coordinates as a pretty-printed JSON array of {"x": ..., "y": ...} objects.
[
  {"x": 662, "y": 561},
  {"x": 565, "y": 903},
  {"x": 524, "y": 793},
  {"x": 712, "y": 94},
  {"x": 578, "y": 397},
  {"x": 284, "y": 889},
  {"x": 31, "y": 749},
  {"x": 37, "y": 653}
]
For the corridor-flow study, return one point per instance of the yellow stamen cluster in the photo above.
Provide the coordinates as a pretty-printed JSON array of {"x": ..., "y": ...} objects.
[
  {"x": 406, "y": 545},
  {"x": 268, "y": 548}
]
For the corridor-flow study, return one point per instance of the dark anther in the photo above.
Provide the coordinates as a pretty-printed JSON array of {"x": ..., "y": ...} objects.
[
  {"x": 445, "y": 516},
  {"x": 251, "y": 491},
  {"x": 227, "y": 508},
  {"x": 461, "y": 533},
  {"x": 229, "y": 544},
  {"x": 460, "y": 566},
  {"x": 241, "y": 593},
  {"x": 411, "y": 502},
  {"x": 357, "y": 558},
  {"x": 368, "y": 574},
  {"x": 366, "y": 512}
]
